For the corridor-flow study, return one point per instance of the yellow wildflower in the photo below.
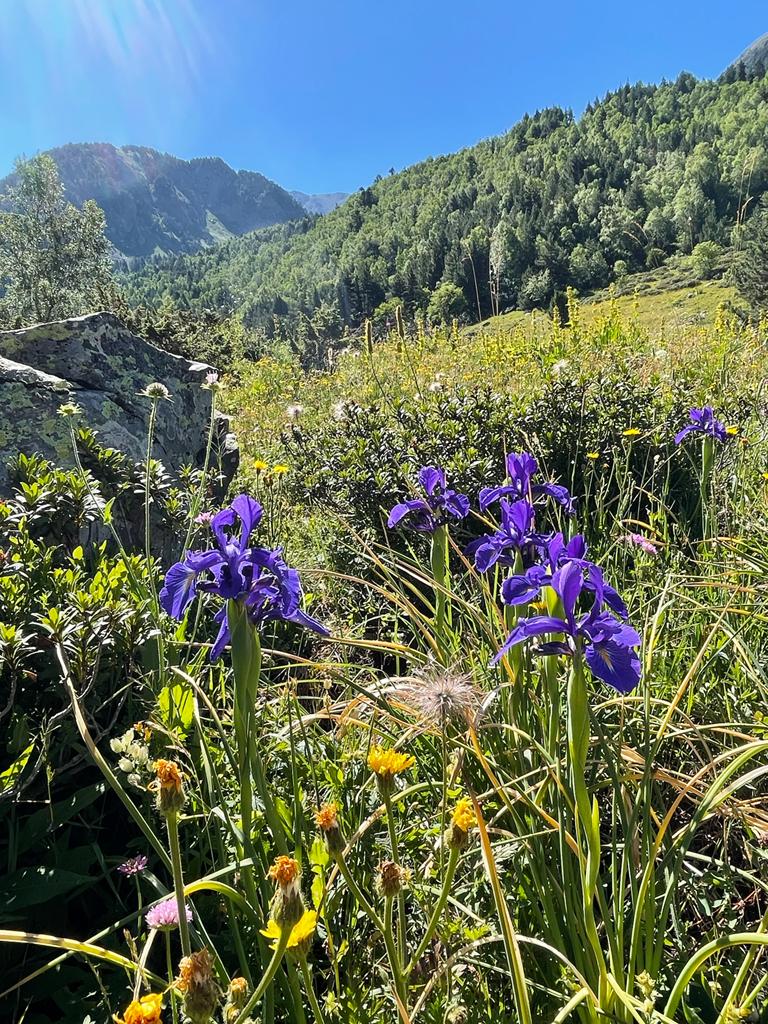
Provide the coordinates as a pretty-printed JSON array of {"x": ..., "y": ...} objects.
[
  {"x": 464, "y": 815},
  {"x": 387, "y": 763},
  {"x": 280, "y": 469},
  {"x": 593, "y": 455},
  {"x": 143, "y": 1011},
  {"x": 260, "y": 466},
  {"x": 732, "y": 431},
  {"x": 632, "y": 432},
  {"x": 301, "y": 932}
]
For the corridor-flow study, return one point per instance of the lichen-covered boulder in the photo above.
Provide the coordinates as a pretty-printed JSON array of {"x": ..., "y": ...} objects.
[{"x": 97, "y": 363}]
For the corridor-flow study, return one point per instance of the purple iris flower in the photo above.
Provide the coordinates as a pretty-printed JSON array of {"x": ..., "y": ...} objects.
[
  {"x": 703, "y": 421},
  {"x": 259, "y": 578},
  {"x": 528, "y": 586},
  {"x": 521, "y": 468},
  {"x": 516, "y": 534},
  {"x": 608, "y": 643},
  {"x": 440, "y": 504}
]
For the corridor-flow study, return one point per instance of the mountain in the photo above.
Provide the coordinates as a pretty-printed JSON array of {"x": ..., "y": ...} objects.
[
  {"x": 646, "y": 172},
  {"x": 755, "y": 58},
  {"x": 156, "y": 203},
  {"x": 323, "y": 202}
]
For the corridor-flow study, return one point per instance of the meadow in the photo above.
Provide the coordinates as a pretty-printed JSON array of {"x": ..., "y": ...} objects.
[{"x": 454, "y": 709}]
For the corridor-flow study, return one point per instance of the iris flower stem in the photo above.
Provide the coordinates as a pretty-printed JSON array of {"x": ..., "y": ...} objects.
[
  {"x": 172, "y": 822},
  {"x": 434, "y": 920},
  {"x": 267, "y": 976},
  {"x": 439, "y": 563},
  {"x": 246, "y": 665},
  {"x": 401, "y": 935},
  {"x": 375, "y": 920},
  {"x": 587, "y": 819},
  {"x": 707, "y": 461}
]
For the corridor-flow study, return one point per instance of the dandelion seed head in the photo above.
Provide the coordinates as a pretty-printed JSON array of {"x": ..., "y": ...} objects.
[{"x": 437, "y": 695}]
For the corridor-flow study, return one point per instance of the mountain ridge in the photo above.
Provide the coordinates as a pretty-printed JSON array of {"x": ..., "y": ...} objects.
[{"x": 157, "y": 203}]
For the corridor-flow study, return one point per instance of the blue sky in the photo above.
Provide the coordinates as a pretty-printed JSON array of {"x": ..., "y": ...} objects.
[{"x": 324, "y": 95}]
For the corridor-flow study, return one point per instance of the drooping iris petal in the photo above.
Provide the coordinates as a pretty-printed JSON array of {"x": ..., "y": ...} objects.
[
  {"x": 614, "y": 663},
  {"x": 416, "y": 510},
  {"x": 522, "y": 589},
  {"x": 180, "y": 586},
  {"x": 538, "y": 625},
  {"x": 223, "y": 637}
]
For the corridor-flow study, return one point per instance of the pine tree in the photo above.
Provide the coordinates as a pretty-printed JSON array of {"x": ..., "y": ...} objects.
[{"x": 751, "y": 269}]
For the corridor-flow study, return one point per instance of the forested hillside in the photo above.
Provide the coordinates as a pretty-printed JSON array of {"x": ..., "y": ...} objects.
[{"x": 648, "y": 171}]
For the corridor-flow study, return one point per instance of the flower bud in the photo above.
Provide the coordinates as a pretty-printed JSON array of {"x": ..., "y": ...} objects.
[
  {"x": 287, "y": 905},
  {"x": 392, "y": 878},
  {"x": 237, "y": 997},
  {"x": 328, "y": 823},
  {"x": 169, "y": 787},
  {"x": 197, "y": 983}
]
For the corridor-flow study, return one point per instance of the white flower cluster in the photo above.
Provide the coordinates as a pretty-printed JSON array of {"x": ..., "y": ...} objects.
[{"x": 134, "y": 757}]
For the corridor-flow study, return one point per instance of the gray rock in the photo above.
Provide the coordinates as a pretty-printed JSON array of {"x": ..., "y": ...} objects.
[{"x": 96, "y": 362}]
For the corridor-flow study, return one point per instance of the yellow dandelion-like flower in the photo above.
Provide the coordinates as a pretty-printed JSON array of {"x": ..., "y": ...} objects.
[
  {"x": 280, "y": 469},
  {"x": 632, "y": 432},
  {"x": 732, "y": 431},
  {"x": 765, "y": 476},
  {"x": 387, "y": 763},
  {"x": 464, "y": 815},
  {"x": 284, "y": 871},
  {"x": 301, "y": 932},
  {"x": 593, "y": 455},
  {"x": 260, "y": 466},
  {"x": 143, "y": 1011}
]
